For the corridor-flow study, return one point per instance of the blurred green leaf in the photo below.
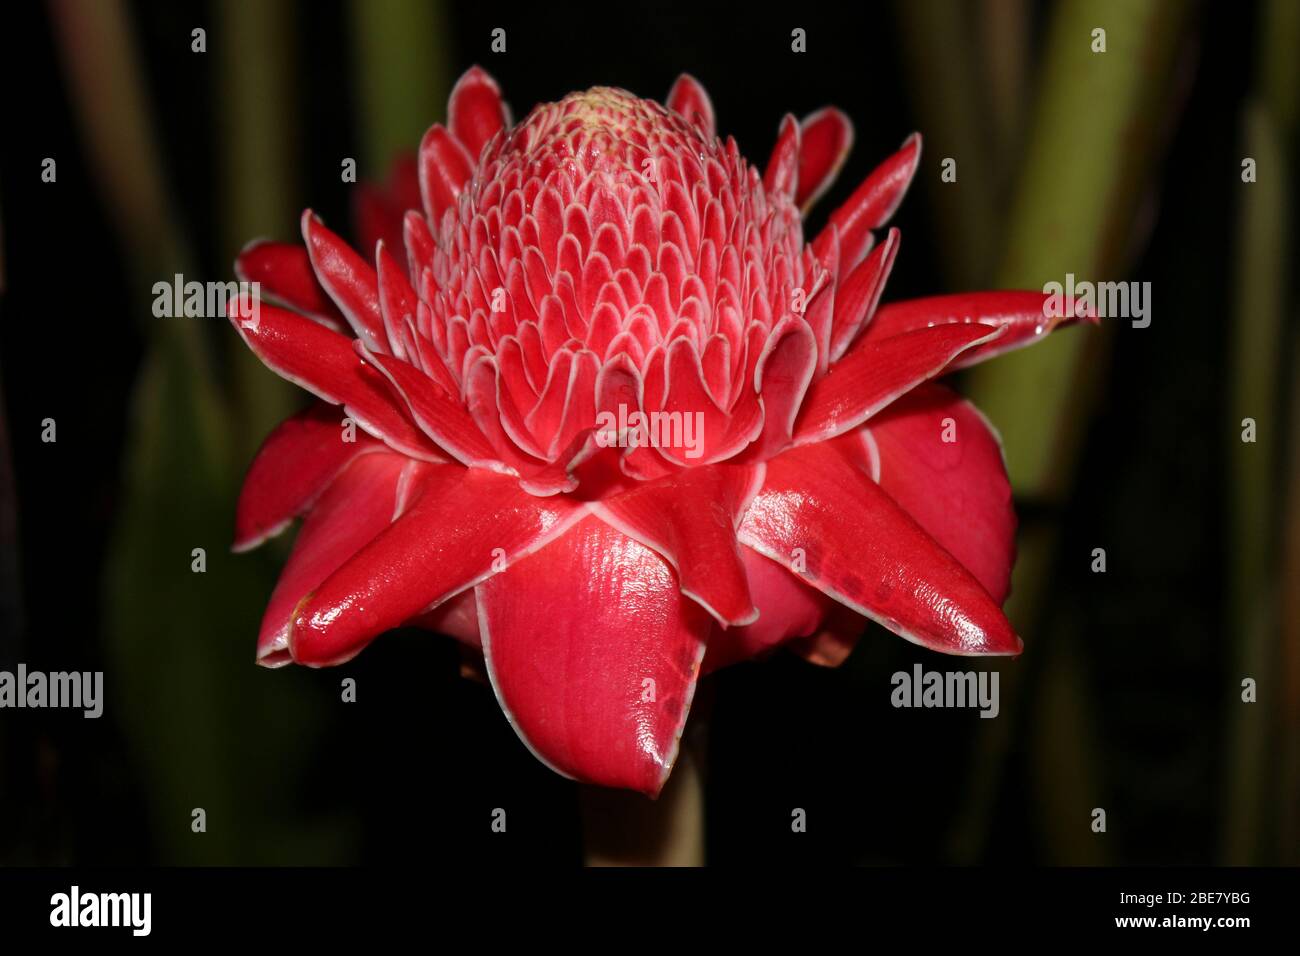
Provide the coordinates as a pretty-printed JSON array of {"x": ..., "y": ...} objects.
[
  {"x": 403, "y": 70},
  {"x": 256, "y": 59},
  {"x": 1090, "y": 151},
  {"x": 1263, "y": 265},
  {"x": 209, "y": 728}
]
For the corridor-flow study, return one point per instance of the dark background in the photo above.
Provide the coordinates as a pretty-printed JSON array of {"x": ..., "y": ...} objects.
[{"x": 1126, "y": 697}]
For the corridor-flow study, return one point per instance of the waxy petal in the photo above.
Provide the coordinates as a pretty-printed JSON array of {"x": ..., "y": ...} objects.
[
  {"x": 784, "y": 370},
  {"x": 820, "y": 516},
  {"x": 294, "y": 465},
  {"x": 460, "y": 526},
  {"x": 689, "y": 99},
  {"x": 690, "y": 520},
  {"x": 445, "y": 167},
  {"x": 825, "y": 138},
  {"x": 285, "y": 274},
  {"x": 594, "y": 653},
  {"x": 782, "y": 173},
  {"x": 358, "y": 504},
  {"x": 941, "y": 461},
  {"x": 857, "y": 299},
  {"x": 707, "y": 433},
  {"x": 397, "y": 300},
  {"x": 350, "y": 281},
  {"x": 1026, "y": 317},
  {"x": 872, "y": 203},
  {"x": 875, "y": 373},
  {"x": 475, "y": 112},
  {"x": 438, "y": 414},
  {"x": 324, "y": 363}
]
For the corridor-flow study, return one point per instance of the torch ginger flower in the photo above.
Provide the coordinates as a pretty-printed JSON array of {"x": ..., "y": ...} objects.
[{"x": 609, "y": 256}]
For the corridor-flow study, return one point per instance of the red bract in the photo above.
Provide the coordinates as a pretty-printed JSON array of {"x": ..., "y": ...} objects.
[{"x": 619, "y": 423}]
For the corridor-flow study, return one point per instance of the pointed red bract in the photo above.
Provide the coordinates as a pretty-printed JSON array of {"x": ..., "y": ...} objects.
[
  {"x": 875, "y": 373},
  {"x": 594, "y": 653},
  {"x": 460, "y": 526},
  {"x": 856, "y": 301},
  {"x": 690, "y": 520},
  {"x": 942, "y": 462},
  {"x": 821, "y": 517},
  {"x": 324, "y": 363},
  {"x": 294, "y": 465},
  {"x": 872, "y": 203},
  {"x": 445, "y": 166},
  {"x": 441, "y": 417},
  {"x": 349, "y": 280},
  {"x": 825, "y": 138},
  {"x": 782, "y": 173},
  {"x": 781, "y": 376},
  {"x": 359, "y": 503},
  {"x": 285, "y": 274},
  {"x": 689, "y": 98},
  {"x": 475, "y": 113},
  {"x": 1024, "y": 317}
]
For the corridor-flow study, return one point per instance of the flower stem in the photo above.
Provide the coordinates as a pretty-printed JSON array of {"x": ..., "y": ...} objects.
[{"x": 621, "y": 828}]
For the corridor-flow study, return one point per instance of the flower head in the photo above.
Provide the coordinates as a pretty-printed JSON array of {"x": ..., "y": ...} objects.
[{"x": 619, "y": 422}]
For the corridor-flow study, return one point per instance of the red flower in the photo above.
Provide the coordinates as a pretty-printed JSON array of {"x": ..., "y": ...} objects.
[{"x": 619, "y": 423}]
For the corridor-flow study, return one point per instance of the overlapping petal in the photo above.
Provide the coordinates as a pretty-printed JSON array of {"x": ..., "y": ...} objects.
[
  {"x": 820, "y": 516},
  {"x": 876, "y": 373},
  {"x": 460, "y": 526},
  {"x": 294, "y": 465},
  {"x": 689, "y": 519},
  {"x": 325, "y": 364},
  {"x": 594, "y": 653},
  {"x": 284, "y": 272},
  {"x": 1023, "y": 317},
  {"x": 941, "y": 461},
  {"x": 358, "y": 504}
]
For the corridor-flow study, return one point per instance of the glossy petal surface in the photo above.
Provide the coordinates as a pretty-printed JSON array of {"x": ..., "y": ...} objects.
[
  {"x": 460, "y": 526},
  {"x": 359, "y": 504},
  {"x": 942, "y": 462},
  {"x": 1023, "y": 316},
  {"x": 294, "y": 465},
  {"x": 820, "y": 516},
  {"x": 594, "y": 653},
  {"x": 285, "y": 274},
  {"x": 875, "y": 373},
  {"x": 824, "y": 143},
  {"x": 690, "y": 520},
  {"x": 324, "y": 363}
]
